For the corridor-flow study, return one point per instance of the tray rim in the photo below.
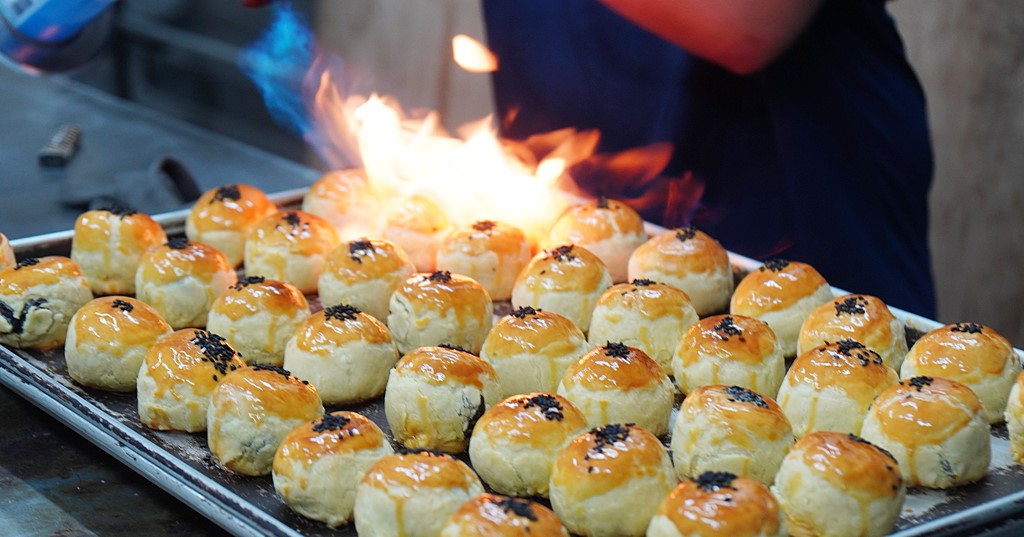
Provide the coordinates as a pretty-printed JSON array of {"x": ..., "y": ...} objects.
[{"x": 243, "y": 519}]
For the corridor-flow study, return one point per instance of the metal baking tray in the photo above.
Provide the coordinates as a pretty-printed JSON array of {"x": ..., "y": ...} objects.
[{"x": 181, "y": 464}]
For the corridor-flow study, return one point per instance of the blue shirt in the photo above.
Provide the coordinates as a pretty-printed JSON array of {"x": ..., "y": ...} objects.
[{"x": 824, "y": 156}]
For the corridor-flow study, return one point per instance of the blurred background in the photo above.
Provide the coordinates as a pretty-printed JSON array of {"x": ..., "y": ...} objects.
[{"x": 180, "y": 57}]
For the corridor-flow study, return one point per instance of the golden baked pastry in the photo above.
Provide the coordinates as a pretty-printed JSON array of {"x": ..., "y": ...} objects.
[
  {"x": 38, "y": 298},
  {"x": 609, "y": 229},
  {"x": 435, "y": 395},
  {"x": 178, "y": 376},
  {"x": 7, "y": 259},
  {"x": 830, "y": 388},
  {"x": 530, "y": 350},
  {"x": 731, "y": 429},
  {"x": 364, "y": 273},
  {"x": 257, "y": 317},
  {"x": 222, "y": 217},
  {"x": 839, "y": 485},
  {"x": 251, "y": 411},
  {"x": 344, "y": 352},
  {"x": 718, "y": 504},
  {"x": 412, "y": 494},
  {"x": 182, "y": 279},
  {"x": 691, "y": 260},
  {"x": 619, "y": 384},
  {"x": 1014, "y": 415},
  {"x": 936, "y": 428},
  {"x": 567, "y": 280},
  {"x": 344, "y": 198},
  {"x": 108, "y": 244},
  {"x": 441, "y": 307},
  {"x": 610, "y": 481},
  {"x": 318, "y": 466},
  {"x": 492, "y": 253},
  {"x": 108, "y": 339},
  {"x": 862, "y": 318},
  {"x": 290, "y": 246},
  {"x": 644, "y": 314},
  {"x": 418, "y": 226},
  {"x": 781, "y": 293},
  {"x": 516, "y": 441},
  {"x": 489, "y": 515},
  {"x": 730, "y": 349},
  {"x": 969, "y": 353}
]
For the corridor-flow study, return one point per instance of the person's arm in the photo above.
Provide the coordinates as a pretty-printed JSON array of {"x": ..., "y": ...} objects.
[{"x": 740, "y": 35}]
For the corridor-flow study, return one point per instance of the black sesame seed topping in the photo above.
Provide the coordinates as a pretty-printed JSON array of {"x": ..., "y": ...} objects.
[
  {"x": 967, "y": 328},
  {"x": 440, "y": 276},
  {"x": 686, "y": 233},
  {"x": 293, "y": 219},
  {"x": 602, "y": 202},
  {"x": 920, "y": 382},
  {"x": 484, "y": 225},
  {"x": 274, "y": 368},
  {"x": 245, "y": 282},
  {"x": 519, "y": 507},
  {"x": 215, "y": 350},
  {"x": 522, "y": 312},
  {"x": 618, "y": 350},
  {"x": 27, "y": 262},
  {"x": 548, "y": 405},
  {"x": 562, "y": 253},
  {"x": 227, "y": 192},
  {"x": 608, "y": 435},
  {"x": 743, "y": 395},
  {"x": 775, "y": 265},
  {"x": 854, "y": 305},
  {"x": 122, "y": 305},
  {"x": 342, "y": 312},
  {"x": 358, "y": 248},
  {"x": 454, "y": 347},
  {"x": 330, "y": 422},
  {"x": 714, "y": 481},
  {"x": 117, "y": 209},
  {"x": 860, "y": 440},
  {"x": 178, "y": 243},
  {"x": 856, "y": 349},
  {"x": 727, "y": 327},
  {"x": 643, "y": 282}
]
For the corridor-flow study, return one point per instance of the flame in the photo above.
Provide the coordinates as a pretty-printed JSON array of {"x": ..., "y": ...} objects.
[
  {"x": 471, "y": 175},
  {"x": 472, "y": 55}
]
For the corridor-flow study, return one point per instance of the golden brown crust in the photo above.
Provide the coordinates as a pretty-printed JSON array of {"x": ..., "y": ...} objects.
[
  {"x": 596, "y": 221},
  {"x": 757, "y": 417},
  {"x": 851, "y": 464},
  {"x": 486, "y": 236},
  {"x": 136, "y": 233},
  {"x": 967, "y": 352},
  {"x": 652, "y": 301},
  {"x": 278, "y": 392},
  {"x": 367, "y": 259},
  {"x": 847, "y": 365},
  {"x": 253, "y": 295},
  {"x": 774, "y": 286},
  {"x": 439, "y": 365},
  {"x": 419, "y": 470},
  {"x": 563, "y": 268},
  {"x": 539, "y": 333},
  {"x": 417, "y": 213},
  {"x": 166, "y": 264},
  {"x": 336, "y": 432},
  {"x": 722, "y": 505},
  {"x": 343, "y": 188},
  {"x": 114, "y": 323},
  {"x": 860, "y": 317},
  {"x": 190, "y": 356},
  {"x": 606, "y": 458},
  {"x": 614, "y": 367},
  {"x": 442, "y": 292},
  {"x": 298, "y": 232},
  {"x": 534, "y": 419},
  {"x": 681, "y": 251},
  {"x": 323, "y": 331},
  {"x": 490, "y": 515},
  {"x": 43, "y": 271},
  {"x": 925, "y": 410},
  {"x": 729, "y": 337},
  {"x": 235, "y": 207}
]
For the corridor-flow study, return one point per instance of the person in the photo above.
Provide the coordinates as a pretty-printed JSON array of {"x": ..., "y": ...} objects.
[{"x": 802, "y": 119}]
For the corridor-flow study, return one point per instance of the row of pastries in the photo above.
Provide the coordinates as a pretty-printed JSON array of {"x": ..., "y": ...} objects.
[{"x": 580, "y": 361}]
